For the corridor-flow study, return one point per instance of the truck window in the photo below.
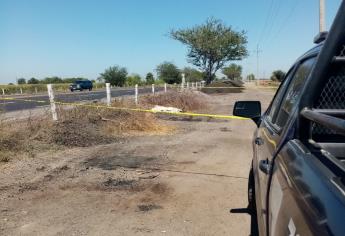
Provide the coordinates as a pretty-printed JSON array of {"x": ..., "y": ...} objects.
[
  {"x": 294, "y": 91},
  {"x": 278, "y": 97}
]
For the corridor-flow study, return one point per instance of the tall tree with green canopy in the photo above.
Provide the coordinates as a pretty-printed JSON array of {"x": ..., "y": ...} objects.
[
  {"x": 193, "y": 75},
  {"x": 169, "y": 73},
  {"x": 149, "y": 78},
  {"x": 211, "y": 45},
  {"x": 278, "y": 75},
  {"x": 233, "y": 71},
  {"x": 33, "y": 81},
  {"x": 115, "y": 75}
]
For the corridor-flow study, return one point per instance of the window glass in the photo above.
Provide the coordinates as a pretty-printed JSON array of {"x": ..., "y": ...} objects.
[
  {"x": 294, "y": 91},
  {"x": 279, "y": 95}
]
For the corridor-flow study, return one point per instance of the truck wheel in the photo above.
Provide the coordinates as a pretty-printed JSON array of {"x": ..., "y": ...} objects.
[{"x": 251, "y": 192}]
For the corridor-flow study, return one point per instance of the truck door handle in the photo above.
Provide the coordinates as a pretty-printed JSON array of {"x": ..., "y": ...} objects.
[
  {"x": 259, "y": 141},
  {"x": 265, "y": 166}
]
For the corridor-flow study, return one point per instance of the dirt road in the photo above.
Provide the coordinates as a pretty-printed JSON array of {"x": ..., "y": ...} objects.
[{"x": 179, "y": 184}]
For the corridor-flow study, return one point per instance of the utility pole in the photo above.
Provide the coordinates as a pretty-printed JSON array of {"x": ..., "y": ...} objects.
[
  {"x": 257, "y": 51},
  {"x": 322, "y": 16}
]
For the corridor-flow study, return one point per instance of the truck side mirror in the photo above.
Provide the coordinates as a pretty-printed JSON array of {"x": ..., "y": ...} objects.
[{"x": 248, "y": 109}]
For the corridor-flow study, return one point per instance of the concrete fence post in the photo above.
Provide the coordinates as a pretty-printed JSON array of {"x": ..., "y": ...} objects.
[
  {"x": 153, "y": 88},
  {"x": 187, "y": 85},
  {"x": 36, "y": 90},
  {"x": 136, "y": 94},
  {"x": 107, "y": 85},
  {"x": 52, "y": 102},
  {"x": 3, "y": 92},
  {"x": 21, "y": 90},
  {"x": 165, "y": 87}
]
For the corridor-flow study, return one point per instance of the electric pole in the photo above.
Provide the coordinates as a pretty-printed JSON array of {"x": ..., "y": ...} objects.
[
  {"x": 257, "y": 51},
  {"x": 322, "y": 16}
]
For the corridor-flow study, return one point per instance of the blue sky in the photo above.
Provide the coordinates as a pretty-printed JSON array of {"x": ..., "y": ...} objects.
[{"x": 81, "y": 37}]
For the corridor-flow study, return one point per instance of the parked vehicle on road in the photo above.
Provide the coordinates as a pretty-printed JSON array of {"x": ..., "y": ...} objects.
[
  {"x": 81, "y": 85},
  {"x": 297, "y": 180}
]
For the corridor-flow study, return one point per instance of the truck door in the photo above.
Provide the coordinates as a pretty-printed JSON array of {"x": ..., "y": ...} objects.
[
  {"x": 265, "y": 144},
  {"x": 279, "y": 123}
]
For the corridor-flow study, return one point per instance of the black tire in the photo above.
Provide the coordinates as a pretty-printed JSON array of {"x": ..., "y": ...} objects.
[
  {"x": 90, "y": 89},
  {"x": 251, "y": 192},
  {"x": 72, "y": 90}
]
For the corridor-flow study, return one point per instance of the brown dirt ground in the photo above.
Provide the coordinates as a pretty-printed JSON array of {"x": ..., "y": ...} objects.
[{"x": 183, "y": 183}]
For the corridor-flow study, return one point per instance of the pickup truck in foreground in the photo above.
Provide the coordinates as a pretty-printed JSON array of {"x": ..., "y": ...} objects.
[{"x": 297, "y": 180}]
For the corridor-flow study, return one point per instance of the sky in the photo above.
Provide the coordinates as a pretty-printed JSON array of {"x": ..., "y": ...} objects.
[{"x": 42, "y": 38}]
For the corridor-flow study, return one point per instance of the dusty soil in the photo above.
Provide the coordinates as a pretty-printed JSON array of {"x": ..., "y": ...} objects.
[{"x": 184, "y": 183}]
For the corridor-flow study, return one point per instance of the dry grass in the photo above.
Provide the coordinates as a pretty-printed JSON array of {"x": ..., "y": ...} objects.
[
  {"x": 187, "y": 101},
  {"x": 86, "y": 126}
]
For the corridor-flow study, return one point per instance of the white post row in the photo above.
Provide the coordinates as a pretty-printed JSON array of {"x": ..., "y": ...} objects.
[
  {"x": 107, "y": 85},
  {"x": 153, "y": 88},
  {"x": 136, "y": 94},
  {"x": 165, "y": 87},
  {"x": 52, "y": 102}
]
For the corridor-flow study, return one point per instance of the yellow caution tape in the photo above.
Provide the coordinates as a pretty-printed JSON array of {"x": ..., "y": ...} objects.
[{"x": 133, "y": 109}]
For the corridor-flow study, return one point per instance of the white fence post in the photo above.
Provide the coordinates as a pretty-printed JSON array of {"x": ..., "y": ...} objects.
[
  {"x": 52, "y": 102},
  {"x": 187, "y": 85},
  {"x": 107, "y": 85},
  {"x": 36, "y": 90},
  {"x": 165, "y": 87},
  {"x": 153, "y": 88},
  {"x": 3, "y": 92},
  {"x": 21, "y": 91},
  {"x": 196, "y": 85},
  {"x": 136, "y": 94}
]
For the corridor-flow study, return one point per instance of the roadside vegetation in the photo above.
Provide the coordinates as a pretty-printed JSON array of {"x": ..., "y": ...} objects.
[{"x": 87, "y": 126}]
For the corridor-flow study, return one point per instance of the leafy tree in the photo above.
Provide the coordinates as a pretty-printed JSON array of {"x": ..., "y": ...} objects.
[
  {"x": 115, "y": 75},
  {"x": 72, "y": 80},
  {"x": 33, "y": 81},
  {"x": 278, "y": 75},
  {"x": 233, "y": 71},
  {"x": 52, "y": 80},
  {"x": 149, "y": 78},
  {"x": 211, "y": 45},
  {"x": 169, "y": 73},
  {"x": 21, "y": 81},
  {"x": 251, "y": 77},
  {"x": 10, "y": 84},
  {"x": 133, "y": 80},
  {"x": 193, "y": 75}
]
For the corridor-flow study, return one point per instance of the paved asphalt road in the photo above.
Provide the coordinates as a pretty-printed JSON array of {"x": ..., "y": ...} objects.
[{"x": 76, "y": 96}]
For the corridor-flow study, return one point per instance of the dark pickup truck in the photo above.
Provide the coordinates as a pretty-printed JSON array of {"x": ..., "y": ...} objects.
[{"x": 297, "y": 181}]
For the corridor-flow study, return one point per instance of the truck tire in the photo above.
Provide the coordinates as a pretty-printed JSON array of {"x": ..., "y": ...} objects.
[{"x": 251, "y": 192}]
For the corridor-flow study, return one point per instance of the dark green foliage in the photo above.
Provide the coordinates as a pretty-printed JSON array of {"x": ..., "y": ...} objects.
[
  {"x": 250, "y": 77},
  {"x": 133, "y": 80},
  {"x": 278, "y": 75},
  {"x": 52, "y": 80},
  {"x": 211, "y": 45},
  {"x": 33, "y": 81},
  {"x": 233, "y": 71},
  {"x": 169, "y": 73},
  {"x": 21, "y": 81},
  {"x": 193, "y": 75},
  {"x": 115, "y": 75},
  {"x": 149, "y": 78}
]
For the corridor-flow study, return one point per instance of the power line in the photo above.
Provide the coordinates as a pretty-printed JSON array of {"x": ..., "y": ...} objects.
[{"x": 266, "y": 21}]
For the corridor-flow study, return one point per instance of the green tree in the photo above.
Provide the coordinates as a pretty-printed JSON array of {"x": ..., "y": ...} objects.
[
  {"x": 278, "y": 75},
  {"x": 193, "y": 75},
  {"x": 211, "y": 45},
  {"x": 133, "y": 80},
  {"x": 115, "y": 75},
  {"x": 33, "y": 81},
  {"x": 251, "y": 77},
  {"x": 233, "y": 71},
  {"x": 149, "y": 78},
  {"x": 52, "y": 80},
  {"x": 21, "y": 81},
  {"x": 169, "y": 73}
]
